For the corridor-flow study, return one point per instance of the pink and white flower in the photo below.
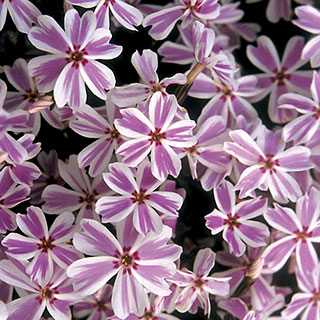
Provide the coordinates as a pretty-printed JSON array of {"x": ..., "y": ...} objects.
[
  {"x": 136, "y": 195},
  {"x": 146, "y": 65},
  {"x": 234, "y": 221},
  {"x": 197, "y": 285},
  {"x": 22, "y": 12},
  {"x": 163, "y": 21},
  {"x": 56, "y": 295},
  {"x": 141, "y": 263},
  {"x": 41, "y": 245},
  {"x": 280, "y": 76},
  {"x": 72, "y": 59},
  {"x": 126, "y": 14},
  {"x": 158, "y": 134},
  {"x": 268, "y": 164},
  {"x": 301, "y": 229},
  {"x": 89, "y": 123}
]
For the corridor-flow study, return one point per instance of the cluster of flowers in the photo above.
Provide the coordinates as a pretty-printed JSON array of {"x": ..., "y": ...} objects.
[{"x": 109, "y": 253}]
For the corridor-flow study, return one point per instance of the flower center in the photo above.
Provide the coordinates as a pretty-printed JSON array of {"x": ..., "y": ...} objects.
[
  {"x": 157, "y": 136},
  {"x": 101, "y": 306},
  {"x": 148, "y": 315},
  {"x": 302, "y": 235},
  {"x": 140, "y": 197},
  {"x": 269, "y": 163},
  {"x": 115, "y": 134},
  {"x": 232, "y": 221},
  {"x": 31, "y": 96},
  {"x": 46, "y": 293},
  {"x": 198, "y": 283},
  {"x": 126, "y": 260},
  {"x": 77, "y": 56},
  {"x": 46, "y": 244},
  {"x": 316, "y": 298}
]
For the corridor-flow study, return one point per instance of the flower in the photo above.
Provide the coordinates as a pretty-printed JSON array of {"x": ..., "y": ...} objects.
[
  {"x": 84, "y": 195},
  {"x": 234, "y": 221},
  {"x": 301, "y": 229},
  {"x": 302, "y": 129},
  {"x": 197, "y": 285},
  {"x": 163, "y": 21},
  {"x": 56, "y": 295},
  {"x": 28, "y": 98},
  {"x": 137, "y": 197},
  {"x": 279, "y": 77},
  {"x": 308, "y": 19},
  {"x": 89, "y": 123},
  {"x": 72, "y": 63},
  {"x": 45, "y": 247},
  {"x": 158, "y": 134},
  {"x": 308, "y": 299},
  {"x": 22, "y": 12},
  {"x": 268, "y": 166},
  {"x": 146, "y": 66},
  {"x": 126, "y": 14},
  {"x": 140, "y": 262}
]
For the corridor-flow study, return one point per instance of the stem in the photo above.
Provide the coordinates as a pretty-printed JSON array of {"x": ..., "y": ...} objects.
[
  {"x": 183, "y": 90},
  {"x": 243, "y": 287}
]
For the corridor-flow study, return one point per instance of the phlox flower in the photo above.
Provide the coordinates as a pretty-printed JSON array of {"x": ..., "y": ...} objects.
[
  {"x": 226, "y": 102},
  {"x": 28, "y": 98},
  {"x": 126, "y": 14},
  {"x": 41, "y": 245},
  {"x": 11, "y": 195},
  {"x": 197, "y": 285},
  {"x": 96, "y": 306},
  {"x": 302, "y": 129},
  {"x": 277, "y": 9},
  {"x": 308, "y": 19},
  {"x": 19, "y": 152},
  {"x": 83, "y": 196},
  {"x": 301, "y": 230},
  {"x": 89, "y": 123},
  {"x": 280, "y": 76},
  {"x": 163, "y": 21},
  {"x": 146, "y": 65},
  {"x": 136, "y": 195},
  {"x": 22, "y": 12},
  {"x": 56, "y": 295},
  {"x": 268, "y": 164},
  {"x": 141, "y": 263},
  {"x": 158, "y": 134},
  {"x": 234, "y": 221},
  {"x": 307, "y": 301},
  {"x": 72, "y": 59},
  {"x": 207, "y": 159}
]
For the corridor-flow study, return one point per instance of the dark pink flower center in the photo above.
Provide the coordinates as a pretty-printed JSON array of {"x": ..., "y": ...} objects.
[
  {"x": 280, "y": 76},
  {"x": 113, "y": 134},
  {"x": 232, "y": 221},
  {"x": 316, "y": 298},
  {"x": 46, "y": 244},
  {"x": 139, "y": 197},
  {"x": 77, "y": 56},
  {"x": 198, "y": 283},
  {"x": 47, "y": 294},
  {"x": 101, "y": 305},
  {"x": 149, "y": 316},
  {"x": 126, "y": 259},
  {"x": 157, "y": 136},
  {"x": 302, "y": 235},
  {"x": 268, "y": 163}
]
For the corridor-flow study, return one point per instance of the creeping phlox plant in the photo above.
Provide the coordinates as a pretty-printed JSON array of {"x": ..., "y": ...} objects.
[{"x": 181, "y": 184}]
